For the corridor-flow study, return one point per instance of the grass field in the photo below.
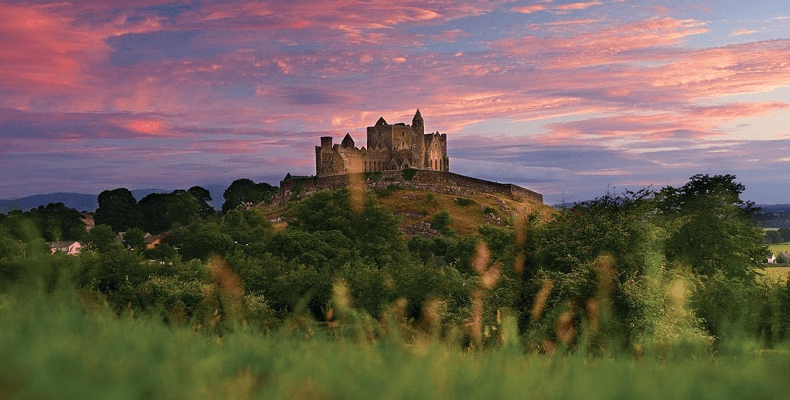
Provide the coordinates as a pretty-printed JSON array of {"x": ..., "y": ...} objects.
[
  {"x": 777, "y": 248},
  {"x": 53, "y": 348},
  {"x": 774, "y": 273}
]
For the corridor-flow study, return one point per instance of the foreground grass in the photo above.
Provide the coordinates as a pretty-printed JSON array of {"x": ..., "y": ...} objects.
[{"x": 53, "y": 348}]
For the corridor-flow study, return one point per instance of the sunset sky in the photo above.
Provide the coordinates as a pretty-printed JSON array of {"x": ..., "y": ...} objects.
[{"x": 569, "y": 99}]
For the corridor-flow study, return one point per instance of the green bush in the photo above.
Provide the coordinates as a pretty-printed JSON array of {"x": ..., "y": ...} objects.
[
  {"x": 388, "y": 190},
  {"x": 441, "y": 221},
  {"x": 374, "y": 176},
  {"x": 463, "y": 201},
  {"x": 408, "y": 173}
]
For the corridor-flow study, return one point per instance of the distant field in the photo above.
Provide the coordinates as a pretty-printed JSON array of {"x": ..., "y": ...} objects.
[
  {"x": 777, "y": 248},
  {"x": 774, "y": 273}
]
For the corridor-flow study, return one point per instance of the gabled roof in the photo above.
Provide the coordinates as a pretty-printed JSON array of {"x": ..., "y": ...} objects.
[
  {"x": 347, "y": 141},
  {"x": 381, "y": 121}
]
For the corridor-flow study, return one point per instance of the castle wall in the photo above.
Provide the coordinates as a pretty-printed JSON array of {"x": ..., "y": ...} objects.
[
  {"x": 438, "y": 181},
  {"x": 380, "y": 136}
]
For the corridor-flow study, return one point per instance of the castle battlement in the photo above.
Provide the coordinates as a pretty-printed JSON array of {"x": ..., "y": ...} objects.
[{"x": 389, "y": 148}]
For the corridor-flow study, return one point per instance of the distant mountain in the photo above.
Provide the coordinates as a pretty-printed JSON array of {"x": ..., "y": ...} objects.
[
  {"x": 140, "y": 193},
  {"x": 774, "y": 208},
  {"x": 78, "y": 201},
  {"x": 89, "y": 202}
]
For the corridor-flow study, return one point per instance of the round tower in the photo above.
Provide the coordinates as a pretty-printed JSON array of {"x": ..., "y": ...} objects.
[{"x": 418, "y": 141}]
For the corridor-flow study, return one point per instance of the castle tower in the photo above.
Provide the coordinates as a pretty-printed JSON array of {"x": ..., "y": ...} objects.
[
  {"x": 417, "y": 124},
  {"x": 418, "y": 141}
]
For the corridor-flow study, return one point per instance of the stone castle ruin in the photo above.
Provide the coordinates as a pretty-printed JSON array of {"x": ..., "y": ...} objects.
[{"x": 390, "y": 148}]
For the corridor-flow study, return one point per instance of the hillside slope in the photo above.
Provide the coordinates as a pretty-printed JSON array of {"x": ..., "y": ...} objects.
[
  {"x": 468, "y": 208},
  {"x": 468, "y": 212}
]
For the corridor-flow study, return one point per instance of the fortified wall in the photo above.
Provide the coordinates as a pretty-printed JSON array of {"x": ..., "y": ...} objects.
[{"x": 435, "y": 181}]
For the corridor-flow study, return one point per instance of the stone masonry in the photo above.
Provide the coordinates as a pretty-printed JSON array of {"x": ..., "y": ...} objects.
[{"x": 390, "y": 148}]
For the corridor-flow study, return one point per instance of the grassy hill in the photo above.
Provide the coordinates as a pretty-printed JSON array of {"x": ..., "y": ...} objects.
[
  {"x": 418, "y": 207},
  {"x": 468, "y": 211}
]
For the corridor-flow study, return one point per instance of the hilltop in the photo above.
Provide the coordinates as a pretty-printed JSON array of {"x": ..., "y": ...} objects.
[
  {"x": 468, "y": 212},
  {"x": 471, "y": 203}
]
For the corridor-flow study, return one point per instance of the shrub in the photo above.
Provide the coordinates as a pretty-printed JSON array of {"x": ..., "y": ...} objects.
[
  {"x": 373, "y": 176},
  {"x": 441, "y": 221},
  {"x": 463, "y": 201},
  {"x": 388, "y": 190},
  {"x": 408, "y": 173}
]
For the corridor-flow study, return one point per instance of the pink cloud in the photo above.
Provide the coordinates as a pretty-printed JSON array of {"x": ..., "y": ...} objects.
[
  {"x": 724, "y": 71},
  {"x": 602, "y": 46},
  {"x": 555, "y": 8},
  {"x": 529, "y": 9},
  {"x": 743, "y": 31},
  {"x": 694, "y": 123},
  {"x": 39, "y": 51},
  {"x": 576, "y": 6}
]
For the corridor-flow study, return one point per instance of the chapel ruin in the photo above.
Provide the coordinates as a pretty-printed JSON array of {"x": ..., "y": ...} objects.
[{"x": 389, "y": 148}]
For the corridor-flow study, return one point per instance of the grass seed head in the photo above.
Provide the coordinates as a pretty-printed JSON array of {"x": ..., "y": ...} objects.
[{"x": 540, "y": 300}]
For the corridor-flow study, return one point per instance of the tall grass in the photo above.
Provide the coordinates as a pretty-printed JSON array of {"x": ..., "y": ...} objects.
[{"x": 60, "y": 345}]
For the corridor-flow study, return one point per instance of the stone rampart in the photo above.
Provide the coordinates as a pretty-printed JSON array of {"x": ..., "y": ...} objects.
[{"x": 437, "y": 181}]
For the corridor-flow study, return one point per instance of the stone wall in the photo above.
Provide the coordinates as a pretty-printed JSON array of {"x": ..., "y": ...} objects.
[{"x": 436, "y": 181}]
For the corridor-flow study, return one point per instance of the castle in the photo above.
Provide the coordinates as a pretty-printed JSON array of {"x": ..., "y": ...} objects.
[{"x": 390, "y": 147}]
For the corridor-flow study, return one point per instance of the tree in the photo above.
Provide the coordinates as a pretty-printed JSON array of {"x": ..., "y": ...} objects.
[
  {"x": 182, "y": 208},
  {"x": 118, "y": 208},
  {"x": 246, "y": 226},
  {"x": 785, "y": 234},
  {"x": 101, "y": 238},
  {"x": 374, "y": 230},
  {"x": 154, "y": 209},
  {"x": 203, "y": 240},
  {"x": 134, "y": 239},
  {"x": 58, "y": 222},
  {"x": 203, "y": 197},
  {"x": 243, "y": 191},
  {"x": 710, "y": 227},
  {"x": 604, "y": 249}
]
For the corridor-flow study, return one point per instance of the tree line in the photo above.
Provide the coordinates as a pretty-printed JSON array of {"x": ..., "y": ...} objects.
[{"x": 633, "y": 270}]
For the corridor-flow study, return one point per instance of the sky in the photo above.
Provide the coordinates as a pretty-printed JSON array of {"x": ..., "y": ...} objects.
[{"x": 572, "y": 99}]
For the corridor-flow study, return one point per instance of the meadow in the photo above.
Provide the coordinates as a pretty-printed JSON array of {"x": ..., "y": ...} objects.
[
  {"x": 57, "y": 346},
  {"x": 777, "y": 274},
  {"x": 779, "y": 248}
]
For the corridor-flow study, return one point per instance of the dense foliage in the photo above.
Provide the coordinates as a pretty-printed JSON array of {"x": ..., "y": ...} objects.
[{"x": 639, "y": 271}]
